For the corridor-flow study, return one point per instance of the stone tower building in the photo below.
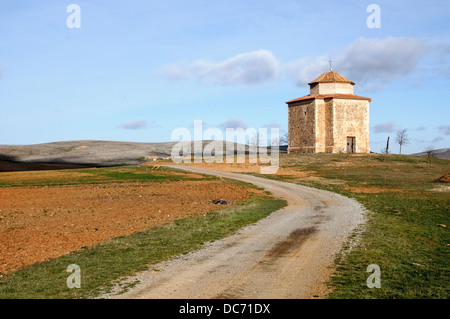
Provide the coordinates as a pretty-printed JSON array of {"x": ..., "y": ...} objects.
[{"x": 331, "y": 119}]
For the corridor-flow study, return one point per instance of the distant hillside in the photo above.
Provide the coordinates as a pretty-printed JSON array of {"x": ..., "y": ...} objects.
[
  {"x": 76, "y": 154},
  {"x": 92, "y": 153},
  {"x": 439, "y": 153}
]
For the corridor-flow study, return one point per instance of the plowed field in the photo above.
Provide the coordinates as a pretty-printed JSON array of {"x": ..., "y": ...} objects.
[{"x": 43, "y": 222}]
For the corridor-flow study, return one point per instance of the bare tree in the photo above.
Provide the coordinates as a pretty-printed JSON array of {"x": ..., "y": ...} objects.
[
  {"x": 402, "y": 139},
  {"x": 429, "y": 151},
  {"x": 385, "y": 150},
  {"x": 284, "y": 140}
]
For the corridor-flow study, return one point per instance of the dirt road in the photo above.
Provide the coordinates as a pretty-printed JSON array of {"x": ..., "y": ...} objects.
[{"x": 289, "y": 254}]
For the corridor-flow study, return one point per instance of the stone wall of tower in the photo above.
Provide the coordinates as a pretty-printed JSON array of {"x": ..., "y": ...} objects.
[
  {"x": 321, "y": 125},
  {"x": 350, "y": 118},
  {"x": 329, "y": 122},
  {"x": 302, "y": 128}
]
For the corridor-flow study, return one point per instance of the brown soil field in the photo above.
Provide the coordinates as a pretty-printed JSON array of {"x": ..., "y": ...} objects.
[
  {"x": 376, "y": 190},
  {"x": 69, "y": 176},
  {"x": 41, "y": 223}
]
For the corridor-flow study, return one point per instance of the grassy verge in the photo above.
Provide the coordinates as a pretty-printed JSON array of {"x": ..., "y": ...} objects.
[
  {"x": 407, "y": 230},
  {"x": 96, "y": 176},
  {"x": 107, "y": 262}
]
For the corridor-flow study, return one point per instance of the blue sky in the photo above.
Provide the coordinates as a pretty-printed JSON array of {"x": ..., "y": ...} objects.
[{"x": 137, "y": 70}]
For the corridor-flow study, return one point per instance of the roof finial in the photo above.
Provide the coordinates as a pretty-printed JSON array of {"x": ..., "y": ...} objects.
[{"x": 329, "y": 60}]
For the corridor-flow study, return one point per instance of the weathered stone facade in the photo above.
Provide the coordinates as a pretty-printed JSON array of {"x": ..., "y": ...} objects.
[{"x": 331, "y": 119}]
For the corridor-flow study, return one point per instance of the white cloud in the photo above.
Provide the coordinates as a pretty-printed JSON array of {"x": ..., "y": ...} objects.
[
  {"x": 366, "y": 60},
  {"x": 445, "y": 129},
  {"x": 371, "y": 62},
  {"x": 138, "y": 125},
  {"x": 437, "y": 139},
  {"x": 385, "y": 127},
  {"x": 233, "y": 123},
  {"x": 174, "y": 72},
  {"x": 246, "y": 68},
  {"x": 417, "y": 84}
]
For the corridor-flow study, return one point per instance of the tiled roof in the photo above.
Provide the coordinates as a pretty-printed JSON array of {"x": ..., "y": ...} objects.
[
  {"x": 333, "y": 96},
  {"x": 331, "y": 77}
]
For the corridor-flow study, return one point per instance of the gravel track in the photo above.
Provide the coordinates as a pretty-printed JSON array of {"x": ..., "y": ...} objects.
[{"x": 287, "y": 255}]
